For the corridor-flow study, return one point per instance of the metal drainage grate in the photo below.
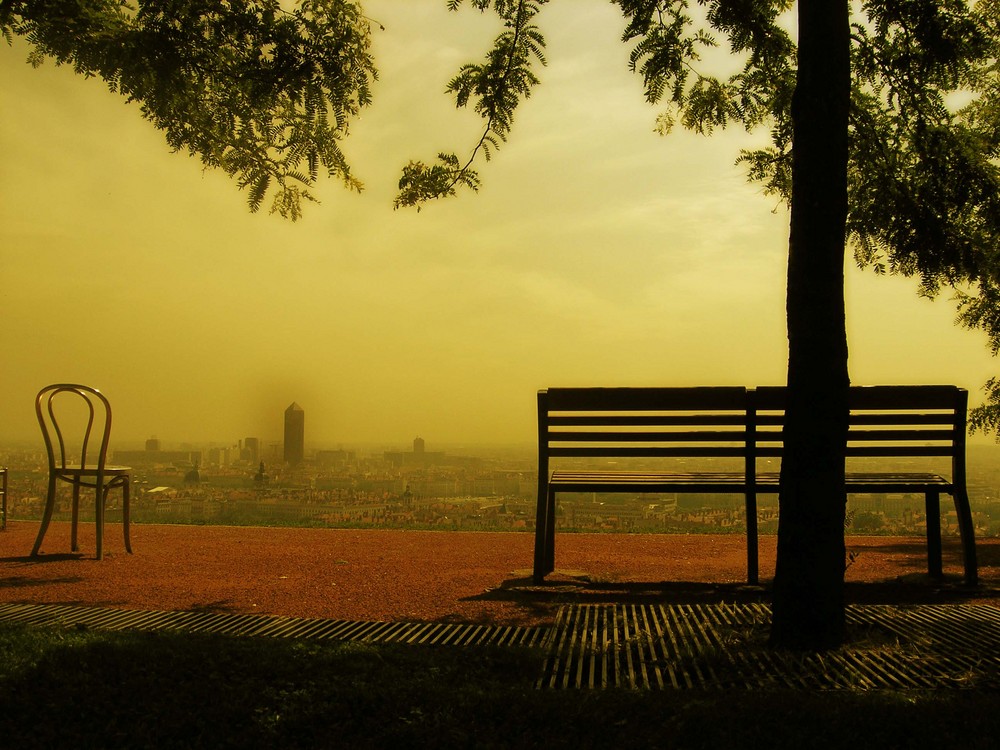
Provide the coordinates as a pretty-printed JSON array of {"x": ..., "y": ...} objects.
[
  {"x": 453, "y": 634},
  {"x": 724, "y": 646}
]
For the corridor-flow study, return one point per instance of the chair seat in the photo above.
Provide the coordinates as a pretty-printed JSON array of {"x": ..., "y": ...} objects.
[{"x": 89, "y": 471}]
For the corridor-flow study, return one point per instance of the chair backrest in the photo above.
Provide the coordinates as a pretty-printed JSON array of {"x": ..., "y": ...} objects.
[{"x": 96, "y": 412}]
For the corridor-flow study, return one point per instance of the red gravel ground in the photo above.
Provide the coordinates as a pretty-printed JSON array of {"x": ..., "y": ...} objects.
[{"x": 434, "y": 576}]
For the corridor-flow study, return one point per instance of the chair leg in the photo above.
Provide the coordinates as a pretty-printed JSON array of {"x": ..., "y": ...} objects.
[
  {"x": 102, "y": 496},
  {"x": 126, "y": 515},
  {"x": 968, "y": 535},
  {"x": 73, "y": 544},
  {"x": 932, "y": 507},
  {"x": 50, "y": 502}
]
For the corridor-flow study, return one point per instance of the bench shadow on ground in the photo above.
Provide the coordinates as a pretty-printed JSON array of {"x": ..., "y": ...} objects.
[{"x": 569, "y": 587}]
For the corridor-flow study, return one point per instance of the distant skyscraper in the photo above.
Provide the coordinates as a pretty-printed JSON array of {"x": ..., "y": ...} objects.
[
  {"x": 295, "y": 430},
  {"x": 418, "y": 445},
  {"x": 251, "y": 446}
]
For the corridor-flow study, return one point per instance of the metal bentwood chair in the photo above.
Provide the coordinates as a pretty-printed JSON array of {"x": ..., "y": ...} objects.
[{"x": 92, "y": 470}]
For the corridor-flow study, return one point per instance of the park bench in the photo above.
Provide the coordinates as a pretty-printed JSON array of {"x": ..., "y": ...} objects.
[{"x": 708, "y": 440}]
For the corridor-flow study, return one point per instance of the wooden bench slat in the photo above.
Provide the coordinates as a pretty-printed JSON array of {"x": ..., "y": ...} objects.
[
  {"x": 905, "y": 418},
  {"x": 648, "y": 420},
  {"x": 721, "y": 451},
  {"x": 868, "y": 418},
  {"x": 770, "y": 450},
  {"x": 705, "y": 436},
  {"x": 911, "y": 480},
  {"x": 900, "y": 435},
  {"x": 647, "y": 399},
  {"x": 568, "y": 481},
  {"x": 864, "y": 482},
  {"x": 886, "y": 436},
  {"x": 872, "y": 397}
]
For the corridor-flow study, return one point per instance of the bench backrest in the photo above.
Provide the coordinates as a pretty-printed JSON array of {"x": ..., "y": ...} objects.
[
  {"x": 641, "y": 423},
  {"x": 885, "y": 421}
]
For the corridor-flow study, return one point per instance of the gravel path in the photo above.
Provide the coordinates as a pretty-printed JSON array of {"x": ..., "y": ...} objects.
[{"x": 429, "y": 575}]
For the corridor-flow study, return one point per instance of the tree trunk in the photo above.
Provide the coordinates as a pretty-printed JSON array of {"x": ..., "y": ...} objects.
[{"x": 808, "y": 600}]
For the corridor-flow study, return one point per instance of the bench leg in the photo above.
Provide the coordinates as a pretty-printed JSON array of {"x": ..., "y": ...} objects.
[
  {"x": 545, "y": 537},
  {"x": 550, "y": 533},
  {"x": 932, "y": 508},
  {"x": 538, "y": 574},
  {"x": 753, "y": 557},
  {"x": 968, "y": 534}
]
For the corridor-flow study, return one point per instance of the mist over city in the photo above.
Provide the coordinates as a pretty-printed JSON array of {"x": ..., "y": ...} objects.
[{"x": 597, "y": 253}]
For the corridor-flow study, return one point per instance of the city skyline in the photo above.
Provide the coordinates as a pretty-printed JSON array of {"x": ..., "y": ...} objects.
[{"x": 597, "y": 253}]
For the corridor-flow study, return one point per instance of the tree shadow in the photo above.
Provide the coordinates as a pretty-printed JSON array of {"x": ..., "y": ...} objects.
[{"x": 581, "y": 589}]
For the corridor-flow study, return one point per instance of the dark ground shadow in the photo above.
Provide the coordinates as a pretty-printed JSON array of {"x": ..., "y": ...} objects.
[
  {"x": 918, "y": 588},
  {"x": 43, "y": 558},
  {"x": 27, "y": 581}
]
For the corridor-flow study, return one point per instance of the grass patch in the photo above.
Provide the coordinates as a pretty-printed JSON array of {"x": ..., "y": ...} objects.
[{"x": 81, "y": 688}]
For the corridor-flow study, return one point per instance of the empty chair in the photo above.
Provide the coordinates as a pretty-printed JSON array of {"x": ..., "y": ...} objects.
[{"x": 89, "y": 407}]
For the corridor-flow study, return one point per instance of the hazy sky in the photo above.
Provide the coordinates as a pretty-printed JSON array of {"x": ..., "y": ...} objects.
[{"x": 596, "y": 253}]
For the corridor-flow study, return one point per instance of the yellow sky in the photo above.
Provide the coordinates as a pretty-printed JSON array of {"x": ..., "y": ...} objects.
[{"x": 597, "y": 253}]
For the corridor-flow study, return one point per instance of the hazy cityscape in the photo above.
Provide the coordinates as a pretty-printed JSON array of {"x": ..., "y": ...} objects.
[{"x": 251, "y": 481}]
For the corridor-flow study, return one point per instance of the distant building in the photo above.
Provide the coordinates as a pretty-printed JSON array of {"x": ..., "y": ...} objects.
[
  {"x": 295, "y": 430},
  {"x": 419, "y": 456},
  {"x": 153, "y": 444},
  {"x": 250, "y": 450}
]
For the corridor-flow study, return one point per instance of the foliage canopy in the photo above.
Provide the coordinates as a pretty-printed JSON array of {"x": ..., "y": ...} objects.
[{"x": 264, "y": 94}]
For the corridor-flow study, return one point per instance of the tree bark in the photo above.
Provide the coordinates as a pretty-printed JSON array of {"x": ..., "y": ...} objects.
[{"x": 808, "y": 597}]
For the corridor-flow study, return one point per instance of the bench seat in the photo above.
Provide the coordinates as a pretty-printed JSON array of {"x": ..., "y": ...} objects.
[
  {"x": 864, "y": 482},
  {"x": 647, "y": 481},
  {"x": 733, "y": 481}
]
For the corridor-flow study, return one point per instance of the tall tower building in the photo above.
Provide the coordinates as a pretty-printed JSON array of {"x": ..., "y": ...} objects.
[
  {"x": 251, "y": 450},
  {"x": 295, "y": 429}
]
